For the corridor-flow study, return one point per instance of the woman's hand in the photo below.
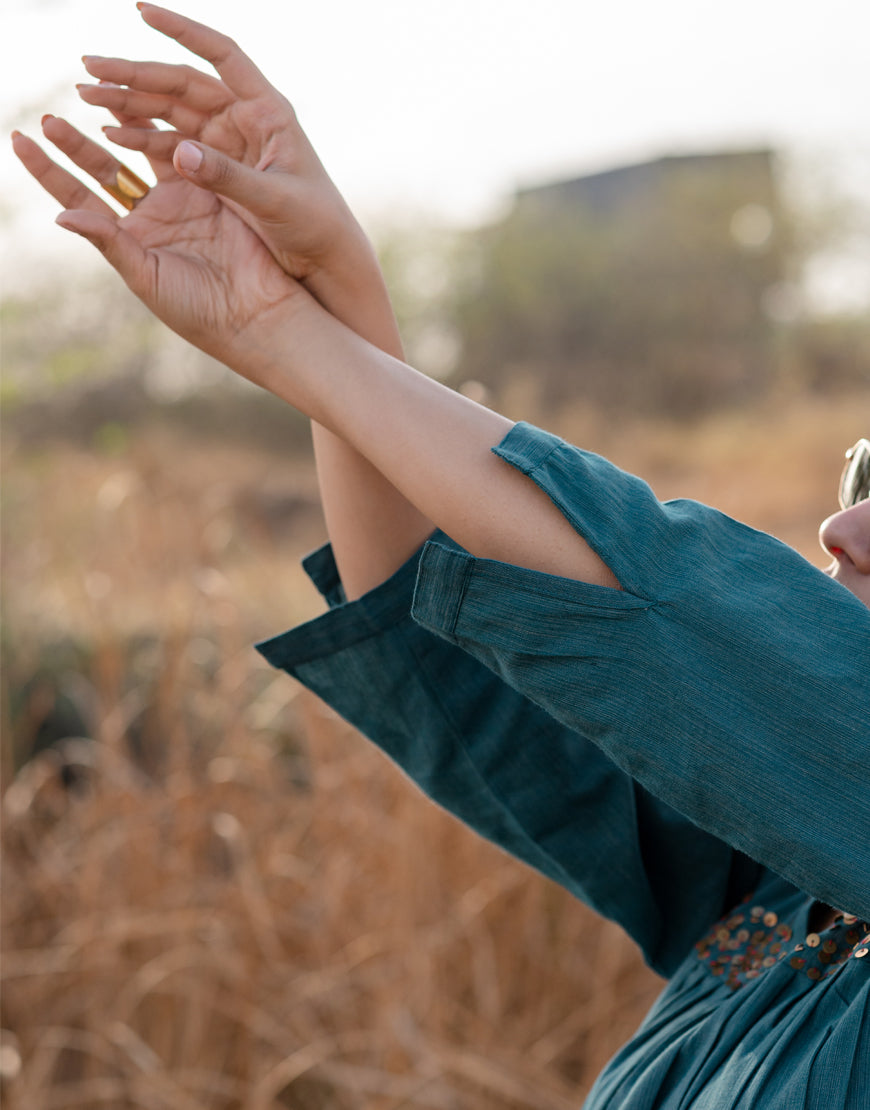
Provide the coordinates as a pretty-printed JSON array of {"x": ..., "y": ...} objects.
[
  {"x": 181, "y": 250},
  {"x": 257, "y": 158},
  {"x": 243, "y": 142},
  {"x": 205, "y": 273}
]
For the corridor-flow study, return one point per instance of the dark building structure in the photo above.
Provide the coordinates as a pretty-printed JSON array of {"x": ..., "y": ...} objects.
[
  {"x": 647, "y": 184},
  {"x": 646, "y": 286}
]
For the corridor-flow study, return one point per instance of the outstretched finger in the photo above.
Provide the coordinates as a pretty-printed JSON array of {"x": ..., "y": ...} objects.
[
  {"x": 66, "y": 189},
  {"x": 157, "y": 146},
  {"x": 143, "y": 105},
  {"x": 234, "y": 66},
  {"x": 183, "y": 83},
  {"x": 120, "y": 248},
  {"x": 89, "y": 156}
]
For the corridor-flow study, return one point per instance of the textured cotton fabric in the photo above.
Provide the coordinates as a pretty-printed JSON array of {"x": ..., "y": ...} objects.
[{"x": 693, "y": 747}]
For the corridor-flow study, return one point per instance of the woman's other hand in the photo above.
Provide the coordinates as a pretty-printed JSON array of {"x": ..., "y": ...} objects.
[
  {"x": 236, "y": 136},
  {"x": 181, "y": 249}
]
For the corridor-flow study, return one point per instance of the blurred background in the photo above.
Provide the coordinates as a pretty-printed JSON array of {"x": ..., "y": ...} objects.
[{"x": 645, "y": 227}]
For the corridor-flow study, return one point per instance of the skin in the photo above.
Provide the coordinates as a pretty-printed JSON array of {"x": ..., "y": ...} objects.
[
  {"x": 846, "y": 537},
  {"x": 257, "y": 158},
  {"x": 175, "y": 250},
  {"x": 203, "y": 271}
]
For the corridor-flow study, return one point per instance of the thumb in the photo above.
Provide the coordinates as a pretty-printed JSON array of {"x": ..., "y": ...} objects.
[
  {"x": 260, "y": 193},
  {"x": 119, "y": 247}
]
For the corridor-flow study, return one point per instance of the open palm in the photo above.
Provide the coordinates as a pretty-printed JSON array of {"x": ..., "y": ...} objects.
[
  {"x": 241, "y": 116},
  {"x": 182, "y": 250}
]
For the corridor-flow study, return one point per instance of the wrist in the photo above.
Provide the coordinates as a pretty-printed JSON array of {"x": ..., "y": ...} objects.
[
  {"x": 349, "y": 284},
  {"x": 266, "y": 351}
]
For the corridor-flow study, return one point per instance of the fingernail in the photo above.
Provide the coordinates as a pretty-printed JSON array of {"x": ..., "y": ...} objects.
[
  {"x": 45, "y": 117},
  {"x": 189, "y": 156},
  {"x": 62, "y": 221}
]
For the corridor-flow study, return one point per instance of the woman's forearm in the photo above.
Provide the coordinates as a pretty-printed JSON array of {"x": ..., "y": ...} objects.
[
  {"x": 373, "y": 527},
  {"x": 430, "y": 443},
  {"x": 210, "y": 278}
]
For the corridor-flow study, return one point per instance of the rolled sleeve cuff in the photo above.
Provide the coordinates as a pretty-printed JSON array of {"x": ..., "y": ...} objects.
[
  {"x": 321, "y": 568},
  {"x": 347, "y": 622}
]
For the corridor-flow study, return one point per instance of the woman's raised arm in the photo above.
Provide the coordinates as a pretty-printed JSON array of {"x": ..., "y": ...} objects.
[
  {"x": 245, "y": 144},
  {"x": 192, "y": 260}
]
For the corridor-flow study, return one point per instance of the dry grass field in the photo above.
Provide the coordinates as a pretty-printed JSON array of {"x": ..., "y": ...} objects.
[{"x": 224, "y": 898}]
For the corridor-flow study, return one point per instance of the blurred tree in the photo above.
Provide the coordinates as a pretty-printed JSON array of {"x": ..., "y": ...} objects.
[
  {"x": 643, "y": 287},
  {"x": 829, "y": 353},
  {"x": 419, "y": 261}
]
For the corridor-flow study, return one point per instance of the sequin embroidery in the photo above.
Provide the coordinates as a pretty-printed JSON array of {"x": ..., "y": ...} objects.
[{"x": 744, "y": 944}]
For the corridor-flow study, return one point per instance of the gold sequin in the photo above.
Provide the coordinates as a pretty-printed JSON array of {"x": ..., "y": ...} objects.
[
  {"x": 742, "y": 946},
  {"x": 849, "y": 919}
]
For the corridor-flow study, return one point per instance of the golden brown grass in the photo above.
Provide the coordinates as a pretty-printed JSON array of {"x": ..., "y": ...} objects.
[
  {"x": 231, "y": 937},
  {"x": 250, "y": 908}
]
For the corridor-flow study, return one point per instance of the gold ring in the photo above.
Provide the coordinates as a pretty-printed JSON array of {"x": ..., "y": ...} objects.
[{"x": 127, "y": 188}]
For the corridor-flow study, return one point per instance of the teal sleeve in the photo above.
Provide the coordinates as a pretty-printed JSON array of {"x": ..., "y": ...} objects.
[
  {"x": 729, "y": 677},
  {"x": 507, "y": 768}
]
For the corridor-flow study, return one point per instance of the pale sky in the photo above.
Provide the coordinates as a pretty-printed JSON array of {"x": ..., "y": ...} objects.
[{"x": 444, "y": 107}]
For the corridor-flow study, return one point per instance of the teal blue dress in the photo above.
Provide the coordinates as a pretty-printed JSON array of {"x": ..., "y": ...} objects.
[{"x": 690, "y": 756}]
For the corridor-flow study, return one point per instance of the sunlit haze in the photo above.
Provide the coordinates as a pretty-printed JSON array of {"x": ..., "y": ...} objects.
[{"x": 445, "y": 108}]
